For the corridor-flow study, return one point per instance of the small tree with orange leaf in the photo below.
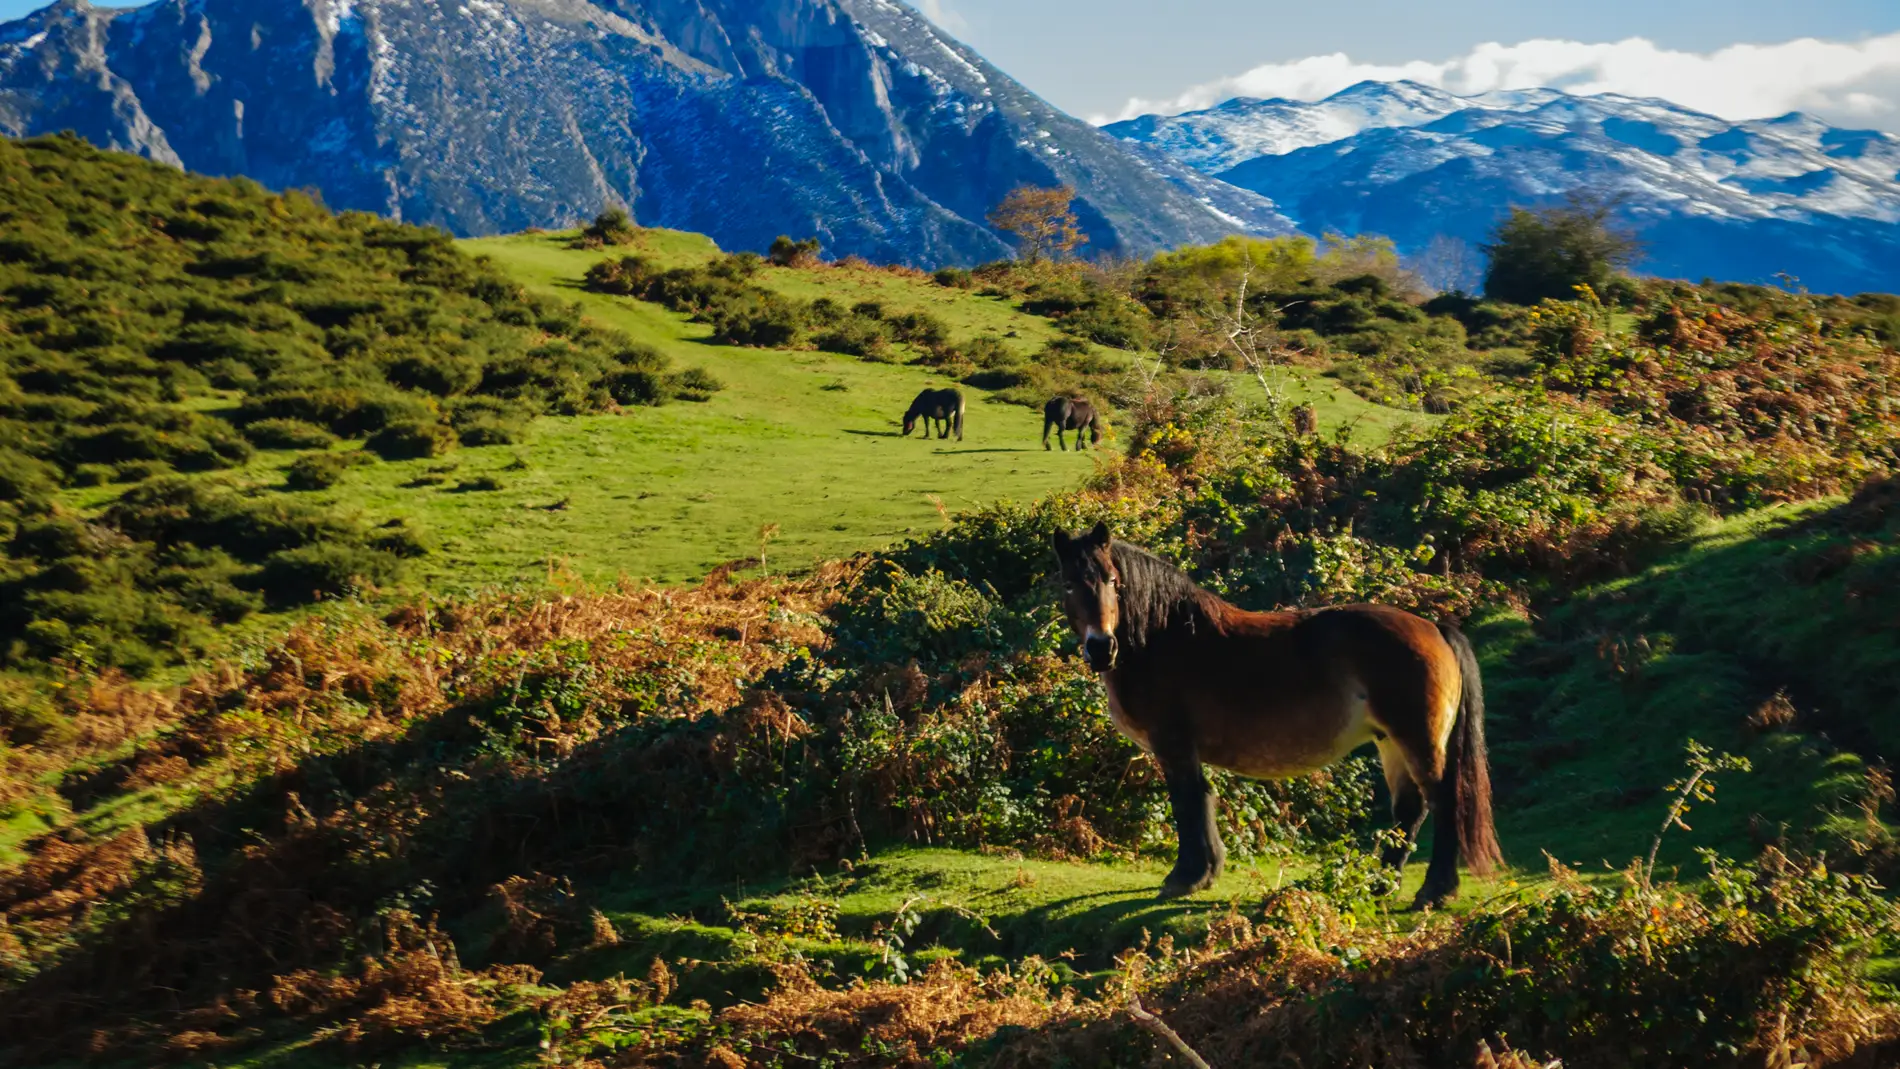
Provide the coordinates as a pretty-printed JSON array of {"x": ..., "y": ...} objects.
[{"x": 1042, "y": 220}]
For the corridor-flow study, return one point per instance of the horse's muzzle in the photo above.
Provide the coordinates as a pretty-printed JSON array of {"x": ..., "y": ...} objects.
[{"x": 1100, "y": 651}]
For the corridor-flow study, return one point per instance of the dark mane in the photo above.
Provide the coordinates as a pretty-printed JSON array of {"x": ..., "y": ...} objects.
[{"x": 1156, "y": 597}]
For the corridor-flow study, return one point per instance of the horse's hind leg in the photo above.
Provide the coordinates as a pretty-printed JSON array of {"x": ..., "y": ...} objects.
[
  {"x": 1201, "y": 854},
  {"x": 1408, "y": 802}
]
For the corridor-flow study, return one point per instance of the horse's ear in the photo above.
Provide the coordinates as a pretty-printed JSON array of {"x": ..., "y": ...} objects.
[
  {"x": 1063, "y": 542},
  {"x": 1099, "y": 536}
]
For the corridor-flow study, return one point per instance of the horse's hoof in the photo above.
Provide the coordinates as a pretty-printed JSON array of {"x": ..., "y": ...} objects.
[
  {"x": 1432, "y": 898},
  {"x": 1173, "y": 888}
]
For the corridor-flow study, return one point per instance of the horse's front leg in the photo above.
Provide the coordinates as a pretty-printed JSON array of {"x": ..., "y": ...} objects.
[{"x": 1201, "y": 853}]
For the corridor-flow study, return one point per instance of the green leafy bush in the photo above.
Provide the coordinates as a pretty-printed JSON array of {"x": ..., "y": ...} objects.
[
  {"x": 321, "y": 471},
  {"x": 613, "y": 226},
  {"x": 788, "y": 253},
  {"x": 24, "y": 479},
  {"x": 413, "y": 439},
  {"x": 755, "y": 317},
  {"x": 698, "y": 384},
  {"x": 328, "y": 569},
  {"x": 857, "y": 335},
  {"x": 288, "y": 434}
]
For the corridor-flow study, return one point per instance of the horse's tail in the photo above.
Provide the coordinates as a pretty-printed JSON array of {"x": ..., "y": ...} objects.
[
  {"x": 1464, "y": 793},
  {"x": 1095, "y": 430},
  {"x": 1047, "y": 419}
]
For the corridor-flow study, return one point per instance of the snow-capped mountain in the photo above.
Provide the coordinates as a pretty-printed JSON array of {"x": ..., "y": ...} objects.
[
  {"x": 1711, "y": 197},
  {"x": 852, "y": 120},
  {"x": 1244, "y": 127}
]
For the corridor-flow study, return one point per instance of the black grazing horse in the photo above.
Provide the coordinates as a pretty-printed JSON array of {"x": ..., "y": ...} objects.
[
  {"x": 1070, "y": 414},
  {"x": 943, "y": 406}
]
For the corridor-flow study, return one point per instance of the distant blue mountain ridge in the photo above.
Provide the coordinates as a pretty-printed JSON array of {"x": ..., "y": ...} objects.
[{"x": 1710, "y": 198}]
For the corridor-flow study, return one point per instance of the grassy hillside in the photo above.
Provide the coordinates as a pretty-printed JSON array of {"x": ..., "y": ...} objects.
[{"x": 336, "y": 404}]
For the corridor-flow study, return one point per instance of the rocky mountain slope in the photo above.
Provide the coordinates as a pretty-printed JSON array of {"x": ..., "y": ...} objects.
[
  {"x": 1711, "y": 197},
  {"x": 854, "y": 120}
]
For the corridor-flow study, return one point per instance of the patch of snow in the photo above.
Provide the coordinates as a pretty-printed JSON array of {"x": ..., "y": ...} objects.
[
  {"x": 958, "y": 59},
  {"x": 338, "y": 13},
  {"x": 1231, "y": 220}
]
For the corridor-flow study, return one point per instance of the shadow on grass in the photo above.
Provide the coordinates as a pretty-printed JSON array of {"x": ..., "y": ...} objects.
[{"x": 1590, "y": 708}]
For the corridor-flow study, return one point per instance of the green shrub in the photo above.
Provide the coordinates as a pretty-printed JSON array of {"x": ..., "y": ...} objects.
[
  {"x": 439, "y": 373},
  {"x": 919, "y": 328},
  {"x": 855, "y": 336},
  {"x": 288, "y": 434},
  {"x": 137, "y": 471},
  {"x": 326, "y": 569},
  {"x": 698, "y": 384},
  {"x": 24, "y": 479},
  {"x": 736, "y": 266},
  {"x": 613, "y": 226},
  {"x": 755, "y": 317},
  {"x": 413, "y": 439},
  {"x": 628, "y": 276},
  {"x": 400, "y": 540},
  {"x": 999, "y": 378},
  {"x": 90, "y": 475},
  {"x": 1548, "y": 252},
  {"x": 788, "y": 253},
  {"x": 639, "y": 387},
  {"x": 318, "y": 471},
  {"x": 491, "y": 430},
  {"x": 348, "y": 411},
  {"x": 206, "y": 581}
]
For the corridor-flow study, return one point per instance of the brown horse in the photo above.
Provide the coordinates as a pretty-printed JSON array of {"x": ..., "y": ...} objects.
[
  {"x": 943, "y": 407},
  {"x": 1070, "y": 414},
  {"x": 1194, "y": 680}
]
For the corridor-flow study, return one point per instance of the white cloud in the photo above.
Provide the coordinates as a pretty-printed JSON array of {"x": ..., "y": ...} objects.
[{"x": 1856, "y": 82}]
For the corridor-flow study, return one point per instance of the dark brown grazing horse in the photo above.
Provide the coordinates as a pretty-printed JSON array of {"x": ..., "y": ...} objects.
[
  {"x": 1070, "y": 414},
  {"x": 1194, "y": 680},
  {"x": 943, "y": 406}
]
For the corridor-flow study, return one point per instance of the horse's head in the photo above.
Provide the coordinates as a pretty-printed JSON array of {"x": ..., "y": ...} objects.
[
  {"x": 910, "y": 423},
  {"x": 1090, "y": 592}
]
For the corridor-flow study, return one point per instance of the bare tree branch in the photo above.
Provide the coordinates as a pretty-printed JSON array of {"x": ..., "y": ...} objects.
[{"x": 1160, "y": 1028}]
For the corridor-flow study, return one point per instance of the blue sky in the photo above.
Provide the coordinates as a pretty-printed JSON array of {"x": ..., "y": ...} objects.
[{"x": 1090, "y": 57}]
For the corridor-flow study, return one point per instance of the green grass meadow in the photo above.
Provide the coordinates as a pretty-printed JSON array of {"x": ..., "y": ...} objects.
[{"x": 807, "y": 441}]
